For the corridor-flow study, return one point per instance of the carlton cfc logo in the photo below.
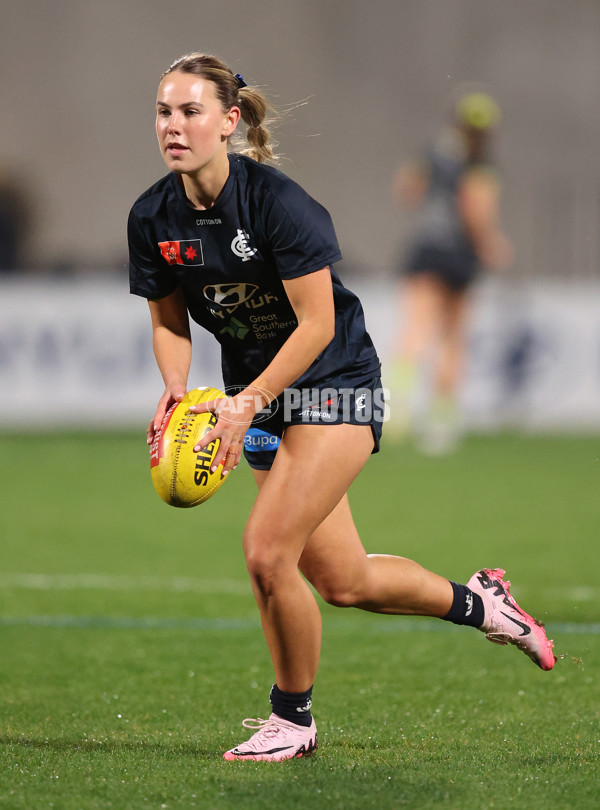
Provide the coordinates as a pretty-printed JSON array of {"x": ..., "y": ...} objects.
[{"x": 241, "y": 247}]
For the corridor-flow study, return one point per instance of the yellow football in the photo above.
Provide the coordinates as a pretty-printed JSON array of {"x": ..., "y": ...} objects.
[{"x": 181, "y": 476}]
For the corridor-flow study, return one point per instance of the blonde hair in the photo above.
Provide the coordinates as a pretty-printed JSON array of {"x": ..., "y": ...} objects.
[{"x": 232, "y": 91}]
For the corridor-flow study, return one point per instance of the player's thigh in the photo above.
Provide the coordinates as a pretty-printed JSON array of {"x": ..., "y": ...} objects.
[
  {"x": 313, "y": 469},
  {"x": 334, "y": 560}
]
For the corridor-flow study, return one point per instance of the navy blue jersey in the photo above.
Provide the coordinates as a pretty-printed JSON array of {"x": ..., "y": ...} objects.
[{"x": 230, "y": 261}]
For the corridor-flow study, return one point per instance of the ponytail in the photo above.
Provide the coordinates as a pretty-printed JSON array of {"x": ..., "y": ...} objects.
[{"x": 254, "y": 107}]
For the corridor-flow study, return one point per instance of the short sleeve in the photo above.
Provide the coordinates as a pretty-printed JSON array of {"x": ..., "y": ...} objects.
[
  {"x": 149, "y": 275},
  {"x": 300, "y": 233}
]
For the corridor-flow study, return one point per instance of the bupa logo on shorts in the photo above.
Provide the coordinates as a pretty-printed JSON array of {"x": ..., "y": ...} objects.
[
  {"x": 229, "y": 295},
  {"x": 188, "y": 253},
  {"x": 241, "y": 247},
  {"x": 256, "y": 440}
]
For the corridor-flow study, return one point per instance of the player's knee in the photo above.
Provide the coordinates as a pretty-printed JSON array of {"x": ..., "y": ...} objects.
[
  {"x": 338, "y": 594},
  {"x": 265, "y": 563},
  {"x": 262, "y": 568}
]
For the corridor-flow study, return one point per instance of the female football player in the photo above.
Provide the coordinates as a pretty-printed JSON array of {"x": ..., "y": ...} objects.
[{"x": 248, "y": 254}]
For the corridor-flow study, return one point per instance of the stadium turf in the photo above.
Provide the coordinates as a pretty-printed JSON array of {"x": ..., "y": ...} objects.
[{"x": 131, "y": 646}]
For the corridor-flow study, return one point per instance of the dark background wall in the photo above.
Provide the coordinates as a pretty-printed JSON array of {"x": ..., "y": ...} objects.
[{"x": 79, "y": 81}]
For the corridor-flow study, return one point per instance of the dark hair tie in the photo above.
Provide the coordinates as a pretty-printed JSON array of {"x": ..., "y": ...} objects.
[{"x": 240, "y": 81}]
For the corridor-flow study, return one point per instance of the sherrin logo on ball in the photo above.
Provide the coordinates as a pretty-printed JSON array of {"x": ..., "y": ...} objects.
[{"x": 181, "y": 476}]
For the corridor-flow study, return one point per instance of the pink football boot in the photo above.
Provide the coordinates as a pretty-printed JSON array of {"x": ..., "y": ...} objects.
[
  {"x": 275, "y": 740},
  {"x": 506, "y": 623}
]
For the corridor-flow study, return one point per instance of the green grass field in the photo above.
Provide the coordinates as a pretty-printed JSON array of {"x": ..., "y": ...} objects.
[{"x": 131, "y": 646}]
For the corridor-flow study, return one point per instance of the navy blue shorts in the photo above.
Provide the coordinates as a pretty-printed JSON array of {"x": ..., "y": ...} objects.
[
  {"x": 458, "y": 270},
  {"x": 364, "y": 404}
]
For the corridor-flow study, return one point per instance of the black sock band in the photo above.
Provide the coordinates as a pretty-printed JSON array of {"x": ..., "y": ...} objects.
[
  {"x": 467, "y": 607},
  {"x": 292, "y": 706}
]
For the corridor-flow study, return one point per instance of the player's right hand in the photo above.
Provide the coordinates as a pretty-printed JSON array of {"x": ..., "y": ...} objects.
[{"x": 172, "y": 394}]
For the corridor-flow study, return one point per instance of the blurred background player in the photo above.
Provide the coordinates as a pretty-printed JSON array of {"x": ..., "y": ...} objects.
[{"x": 455, "y": 192}]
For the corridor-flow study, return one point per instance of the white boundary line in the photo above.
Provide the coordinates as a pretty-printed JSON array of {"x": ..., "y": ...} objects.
[{"x": 122, "y": 582}]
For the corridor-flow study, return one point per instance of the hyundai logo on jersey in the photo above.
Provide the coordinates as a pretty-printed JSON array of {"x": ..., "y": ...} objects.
[{"x": 229, "y": 295}]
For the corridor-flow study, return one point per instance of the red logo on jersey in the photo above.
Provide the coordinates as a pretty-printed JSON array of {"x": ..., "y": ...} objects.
[{"x": 187, "y": 253}]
